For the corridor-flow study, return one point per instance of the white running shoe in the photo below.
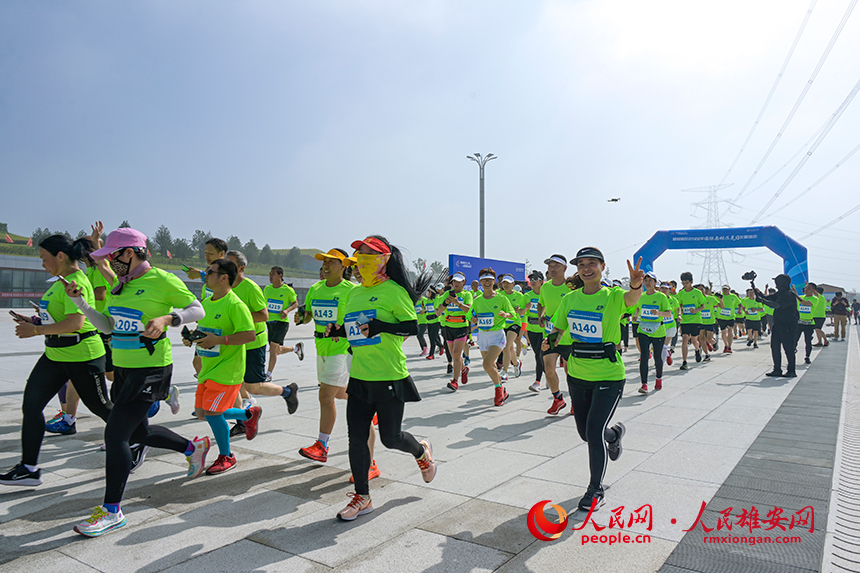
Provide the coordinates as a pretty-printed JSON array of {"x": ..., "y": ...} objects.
[
  {"x": 173, "y": 399},
  {"x": 197, "y": 459},
  {"x": 503, "y": 375},
  {"x": 100, "y": 522},
  {"x": 535, "y": 387}
]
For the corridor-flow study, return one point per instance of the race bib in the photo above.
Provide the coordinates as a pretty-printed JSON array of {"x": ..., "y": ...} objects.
[
  {"x": 649, "y": 312},
  {"x": 208, "y": 292},
  {"x": 44, "y": 315},
  {"x": 353, "y": 334},
  {"x": 275, "y": 306},
  {"x": 805, "y": 309},
  {"x": 325, "y": 311},
  {"x": 485, "y": 320},
  {"x": 706, "y": 314},
  {"x": 417, "y": 309},
  {"x": 689, "y": 309},
  {"x": 585, "y": 326},
  {"x": 126, "y": 320},
  {"x": 668, "y": 319},
  {"x": 726, "y": 312},
  {"x": 453, "y": 307},
  {"x": 533, "y": 306},
  {"x": 213, "y": 352},
  {"x": 548, "y": 326},
  {"x": 428, "y": 308},
  {"x": 751, "y": 312}
]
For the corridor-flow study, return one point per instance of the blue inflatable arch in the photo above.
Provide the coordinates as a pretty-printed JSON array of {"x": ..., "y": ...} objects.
[{"x": 793, "y": 253}]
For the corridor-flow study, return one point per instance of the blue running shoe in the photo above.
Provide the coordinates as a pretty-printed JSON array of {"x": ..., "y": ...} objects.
[
  {"x": 61, "y": 427},
  {"x": 153, "y": 410},
  {"x": 466, "y": 361}
]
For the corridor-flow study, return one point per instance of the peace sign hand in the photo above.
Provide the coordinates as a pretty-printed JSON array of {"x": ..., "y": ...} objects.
[{"x": 636, "y": 275}]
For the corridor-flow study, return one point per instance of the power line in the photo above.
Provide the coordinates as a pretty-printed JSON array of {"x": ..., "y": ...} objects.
[
  {"x": 834, "y": 221},
  {"x": 833, "y": 119},
  {"x": 802, "y": 95},
  {"x": 772, "y": 89}
]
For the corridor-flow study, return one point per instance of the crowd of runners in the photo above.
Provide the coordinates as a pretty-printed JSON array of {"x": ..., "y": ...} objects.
[{"x": 108, "y": 323}]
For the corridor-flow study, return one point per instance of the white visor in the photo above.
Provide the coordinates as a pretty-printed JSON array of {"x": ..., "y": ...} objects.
[
  {"x": 459, "y": 277},
  {"x": 482, "y": 277},
  {"x": 556, "y": 259},
  {"x": 508, "y": 279}
]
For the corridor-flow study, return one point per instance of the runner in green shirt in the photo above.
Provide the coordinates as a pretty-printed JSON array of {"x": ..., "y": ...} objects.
[
  {"x": 595, "y": 372},
  {"x": 139, "y": 309},
  {"x": 670, "y": 323},
  {"x": 534, "y": 330},
  {"x": 251, "y": 294},
  {"x": 454, "y": 305},
  {"x": 428, "y": 303},
  {"x": 692, "y": 302},
  {"x": 490, "y": 312},
  {"x": 228, "y": 327},
  {"x": 378, "y": 315},
  {"x": 280, "y": 300},
  {"x": 726, "y": 316},
  {"x": 73, "y": 351},
  {"x": 512, "y": 326},
  {"x": 806, "y": 320},
  {"x": 653, "y": 306},
  {"x": 753, "y": 310},
  {"x": 707, "y": 340},
  {"x": 551, "y": 294},
  {"x": 213, "y": 250},
  {"x": 819, "y": 315},
  {"x": 422, "y": 326}
]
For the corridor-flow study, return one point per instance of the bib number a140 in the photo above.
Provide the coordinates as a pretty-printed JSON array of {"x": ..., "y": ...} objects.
[{"x": 585, "y": 326}]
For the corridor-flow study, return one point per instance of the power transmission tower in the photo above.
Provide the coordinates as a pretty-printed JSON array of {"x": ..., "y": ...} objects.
[{"x": 713, "y": 267}]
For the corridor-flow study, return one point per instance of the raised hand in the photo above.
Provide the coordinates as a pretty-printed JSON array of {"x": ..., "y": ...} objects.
[{"x": 636, "y": 274}]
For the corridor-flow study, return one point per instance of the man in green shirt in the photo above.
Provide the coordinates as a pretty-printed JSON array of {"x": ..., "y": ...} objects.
[
  {"x": 692, "y": 302},
  {"x": 213, "y": 250},
  {"x": 754, "y": 311},
  {"x": 549, "y": 300},
  {"x": 280, "y": 300},
  {"x": 819, "y": 315},
  {"x": 726, "y": 317}
]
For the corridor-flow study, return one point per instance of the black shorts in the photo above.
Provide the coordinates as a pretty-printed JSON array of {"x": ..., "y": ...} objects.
[
  {"x": 513, "y": 328},
  {"x": 255, "y": 365},
  {"x": 690, "y": 329},
  {"x": 726, "y": 324},
  {"x": 140, "y": 384},
  {"x": 108, "y": 352},
  {"x": 451, "y": 334},
  {"x": 819, "y": 322},
  {"x": 739, "y": 320},
  {"x": 562, "y": 349},
  {"x": 709, "y": 327},
  {"x": 753, "y": 325},
  {"x": 635, "y": 329},
  {"x": 277, "y": 330}
]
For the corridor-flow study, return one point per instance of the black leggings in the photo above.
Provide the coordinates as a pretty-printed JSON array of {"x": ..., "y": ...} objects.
[
  {"x": 625, "y": 333},
  {"x": 783, "y": 338},
  {"x": 646, "y": 343},
  {"x": 433, "y": 330},
  {"x": 46, "y": 379},
  {"x": 806, "y": 330},
  {"x": 535, "y": 340},
  {"x": 593, "y": 404},
  {"x": 359, "y": 415},
  {"x": 422, "y": 328}
]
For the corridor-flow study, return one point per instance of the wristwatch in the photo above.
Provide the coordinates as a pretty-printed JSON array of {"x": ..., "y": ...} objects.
[{"x": 176, "y": 320}]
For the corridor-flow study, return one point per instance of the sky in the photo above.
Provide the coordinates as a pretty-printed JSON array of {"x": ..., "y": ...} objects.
[{"x": 314, "y": 124}]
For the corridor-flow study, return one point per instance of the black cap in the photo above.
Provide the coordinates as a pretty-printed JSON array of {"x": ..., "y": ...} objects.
[
  {"x": 589, "y": 252},
  {"x": 557, "y": 258},
  {"x": 536, "y": 275}
]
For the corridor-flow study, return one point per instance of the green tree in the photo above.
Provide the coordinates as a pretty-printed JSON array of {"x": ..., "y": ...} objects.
[
  {"x": 293, "y": 259},
  {"x": 124, "y": 225},
  {"x": 82, "y": 233},
  {"x": 437, "y": 267},
  {"x": 163, "y": 241},
  {"x": 251, "y": 251},
  {"x": 420, "y": 264},
  {"x": 198, "y": 241},
  {"x": 234, "y": 243},
  {"x": 182, "y": 249},
  {"x": 267, "y": 257},
  {"x": 40, "y": 234},
  {"x": 4, "y": 228}
]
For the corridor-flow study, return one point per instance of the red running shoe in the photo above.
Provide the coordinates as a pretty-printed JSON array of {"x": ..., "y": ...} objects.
[
  {"x": 453, "y": 385},
  {"x": 316, "y": 452},
  {"x": 658, "y": 385},
  {"x": 252, "y": 422},
  {"x": 558, "y": 405},
  {"x": 431, "y": 357},
  {"x": 501, "y": 395},
  {"x": 464, "y": 375},
  {"x": 373, "y": 472},
  {"x": 669, "y": 359},
  {"x": 221, "y": 465}
]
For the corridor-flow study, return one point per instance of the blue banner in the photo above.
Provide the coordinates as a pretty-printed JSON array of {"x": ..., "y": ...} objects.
[{"x": 470, "y": 266}]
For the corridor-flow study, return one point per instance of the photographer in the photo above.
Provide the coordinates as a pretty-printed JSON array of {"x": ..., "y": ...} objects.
[{"x": 785, "y": 318}]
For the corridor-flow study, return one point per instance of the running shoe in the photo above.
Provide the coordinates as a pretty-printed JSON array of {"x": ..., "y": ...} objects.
[
  {"x": 774, "y": 374},
  {"x": 100, "y": 522},
  {"x": 593, "y": 496},
  {"x": 725, "y": 350},
  {"x": 698, "y": 355},
  {"x": 59, "y": 415},
  {"x": 707, "y": 358},
  {"x": 503, "y": 375},
  {"x": 669, "y": 359},
  {"x": 684, "y": 366},
  {"x": 431, "y": 357},
  {"x": 790, "y": 375},
  {"x": 501, "y": 395},
  {"x": 375, "y": 419},
  {"x": 373, "y": 472},
  {"x": 300, "y": 350},
  {"x": 518, "y": 369},
  {"x": 441, "y": 351},
  {"x": 755, "y": 344},
  {"x": 558, "y": 405},
  {"x": 138, "y": 455},
  {"x": 293, "y": 399},
  {"x": 316, "y": 452},
  {"x": 19, "y": 475},
  {"x": 453, "y": 385},
  {"x": 197, "y": 459},
  {"x": 614, "y": 447},
  {"x": 173, "y": 399},
  {"x": 238, "y": 428},
  {"x": 103, "y": 448},
  {"x": 464, "y": 376},
  {"x": 643, "y": 389},
  {"x": 710, "y": 348},
  {"x": 61, "y": 427},
  {"x": 525, "y": 351},
  {"x": 252, "y": 422},
  {"x": 749, "y": 343},
  {"x": 729, "y": 351},
  {"x": 450, "y": 368},
  {"x": 358, "y": 506},
  {"x": 535, "y": 386},
  {"x": 807, "y": 360},
  {"x": 423, "y": 351},
  {"x": 221, "y": 465},
  {"x": 658, "y": 385},
  {"x": 269, "y": 377},
  {"x": 716, "y": 347},
  {"x": 153, "y": 410},
  {"x": 426, "y": 463},
  {"x": 466, "y": 361}
]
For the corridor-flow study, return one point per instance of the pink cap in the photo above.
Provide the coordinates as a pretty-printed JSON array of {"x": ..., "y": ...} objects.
[{"x": 119, "y": 239}]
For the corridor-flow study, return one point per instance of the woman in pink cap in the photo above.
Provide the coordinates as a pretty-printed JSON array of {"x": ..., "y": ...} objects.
[
  {"x": 378, "y": 315},
  {"x": 137, "y": 312}
]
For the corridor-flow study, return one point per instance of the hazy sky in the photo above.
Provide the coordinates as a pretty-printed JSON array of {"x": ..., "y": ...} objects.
[{"x": 316, "y": 123}]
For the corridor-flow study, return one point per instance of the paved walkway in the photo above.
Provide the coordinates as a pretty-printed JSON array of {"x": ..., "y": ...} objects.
[{"x": 720, "y": 433}]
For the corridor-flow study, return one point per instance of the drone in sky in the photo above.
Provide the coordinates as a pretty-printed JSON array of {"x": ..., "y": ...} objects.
[{"x": 614, "y": 200}]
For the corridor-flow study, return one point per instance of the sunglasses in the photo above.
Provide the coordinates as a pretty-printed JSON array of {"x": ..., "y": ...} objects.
[{"x": 116, "y": 254}]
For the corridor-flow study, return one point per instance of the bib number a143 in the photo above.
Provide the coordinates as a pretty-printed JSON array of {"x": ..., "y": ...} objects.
[{"x": 352, "y": 322}]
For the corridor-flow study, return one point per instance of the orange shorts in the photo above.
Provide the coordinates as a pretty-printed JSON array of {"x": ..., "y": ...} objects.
[{"x": 215, "y": 397}]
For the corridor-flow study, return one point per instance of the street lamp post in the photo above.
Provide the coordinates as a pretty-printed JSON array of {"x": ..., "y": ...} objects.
[{"x": 482, "y": 161}]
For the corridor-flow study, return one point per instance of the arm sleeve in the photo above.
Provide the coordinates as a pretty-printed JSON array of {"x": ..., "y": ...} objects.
[
  {"x": 101, "y": 321},
  {"x": 406, "y": 328},
  {"x": 191, "y": 313}
]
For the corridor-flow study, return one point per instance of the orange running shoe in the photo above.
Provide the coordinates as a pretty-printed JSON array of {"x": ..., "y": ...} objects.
[
  {"x": 316, "y": 452},
  {"x": 373, "y": 472}
]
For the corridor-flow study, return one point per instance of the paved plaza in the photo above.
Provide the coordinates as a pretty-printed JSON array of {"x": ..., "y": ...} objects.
[{"x": 721, "y": 433}]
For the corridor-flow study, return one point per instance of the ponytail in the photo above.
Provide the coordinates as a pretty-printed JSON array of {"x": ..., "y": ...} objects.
[{"x": 77, "y": 250}]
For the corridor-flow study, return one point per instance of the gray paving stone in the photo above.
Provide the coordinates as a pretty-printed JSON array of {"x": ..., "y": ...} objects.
[
  {"x": 486, "y": 523},
  {"x": 246, "y": 555}
]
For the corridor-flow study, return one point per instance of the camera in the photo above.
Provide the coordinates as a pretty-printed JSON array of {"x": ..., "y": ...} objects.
[{"x": 749, "y": 276}]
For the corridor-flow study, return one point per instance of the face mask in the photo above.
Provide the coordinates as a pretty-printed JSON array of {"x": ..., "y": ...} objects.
[
  {"x": 372, "y": 269},
  {"x": 119, "y": 268}
]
